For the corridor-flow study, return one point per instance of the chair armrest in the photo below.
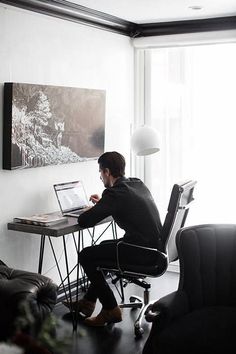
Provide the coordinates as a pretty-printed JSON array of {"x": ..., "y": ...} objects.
[
  {"x": 168, "y": 308},
  {"x": 19, "y": 286},
  {"x": 160, "y": 254}
]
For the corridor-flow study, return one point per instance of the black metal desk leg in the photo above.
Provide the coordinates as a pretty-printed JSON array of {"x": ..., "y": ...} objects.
[
  {"x": 41, "y": 252},
  {"x": 80, "y": 234},
  {"x": 59, "y": 270},
  {"x": 74, "y": 317}
]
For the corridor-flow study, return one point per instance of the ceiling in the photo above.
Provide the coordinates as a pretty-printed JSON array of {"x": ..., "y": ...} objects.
[{"x": 149, "y": 11}]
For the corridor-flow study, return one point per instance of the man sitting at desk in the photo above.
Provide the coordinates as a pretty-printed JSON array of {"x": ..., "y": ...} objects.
[{"x": 132, "y": 207}]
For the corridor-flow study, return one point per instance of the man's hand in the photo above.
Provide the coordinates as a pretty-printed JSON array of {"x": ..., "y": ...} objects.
[{"x": 94, "y": 198}]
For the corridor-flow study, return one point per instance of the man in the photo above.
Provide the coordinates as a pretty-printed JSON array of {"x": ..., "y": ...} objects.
[{"x": 132, "y": 207}]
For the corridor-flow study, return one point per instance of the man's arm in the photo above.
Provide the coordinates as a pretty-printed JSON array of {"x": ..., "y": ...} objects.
[{"x": 103, "y": 208}]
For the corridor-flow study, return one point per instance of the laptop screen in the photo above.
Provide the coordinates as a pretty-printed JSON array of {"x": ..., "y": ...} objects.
[{"x": 71, "y": 196}]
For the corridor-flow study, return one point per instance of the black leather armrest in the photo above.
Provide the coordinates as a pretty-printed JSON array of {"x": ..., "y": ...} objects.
[
  {"x": 168, "y": 308},
  {"x": 17, "y": 286}
]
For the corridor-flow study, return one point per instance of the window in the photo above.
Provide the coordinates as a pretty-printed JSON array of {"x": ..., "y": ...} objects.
[{"x": 191, "y": 101}]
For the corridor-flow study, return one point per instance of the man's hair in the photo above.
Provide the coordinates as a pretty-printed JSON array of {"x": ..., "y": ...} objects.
[{"x": 114, "y": 161}]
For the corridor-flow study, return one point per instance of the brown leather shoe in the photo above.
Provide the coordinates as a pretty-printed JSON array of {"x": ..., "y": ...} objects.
[
  {"x": 105, "y": 317},
  {"x": 84, "y": 306}
]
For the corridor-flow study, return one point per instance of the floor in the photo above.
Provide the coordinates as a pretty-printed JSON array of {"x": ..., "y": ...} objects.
[{"x": 112, "y": 339}]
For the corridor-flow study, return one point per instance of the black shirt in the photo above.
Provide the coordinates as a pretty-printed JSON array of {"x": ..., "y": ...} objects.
[{"x": 131, "y": 205}]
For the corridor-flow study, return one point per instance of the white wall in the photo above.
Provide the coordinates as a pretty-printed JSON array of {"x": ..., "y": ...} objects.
[{"x": 39, "y": 49}]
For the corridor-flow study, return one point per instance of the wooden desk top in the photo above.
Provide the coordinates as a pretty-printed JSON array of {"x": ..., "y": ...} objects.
[{"x": 70, "y": 225}]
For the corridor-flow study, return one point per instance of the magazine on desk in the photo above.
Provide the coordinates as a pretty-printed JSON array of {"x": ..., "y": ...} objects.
[{"x": 47, "y": 219}]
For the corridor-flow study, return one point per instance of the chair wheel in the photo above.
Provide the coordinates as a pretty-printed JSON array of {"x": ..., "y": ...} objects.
[{"x": 138, "y": 332}]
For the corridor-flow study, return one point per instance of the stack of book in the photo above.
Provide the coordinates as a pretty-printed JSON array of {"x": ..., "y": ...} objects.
[{"x": 47, "y": 219}]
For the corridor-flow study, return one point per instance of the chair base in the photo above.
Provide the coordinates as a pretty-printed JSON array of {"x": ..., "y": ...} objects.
[{"x": 137, "y": 302}]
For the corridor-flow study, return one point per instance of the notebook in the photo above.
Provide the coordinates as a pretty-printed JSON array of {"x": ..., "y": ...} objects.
[
  {"x": 72, "y": 198},
  {"x": 48, "y": 219}
]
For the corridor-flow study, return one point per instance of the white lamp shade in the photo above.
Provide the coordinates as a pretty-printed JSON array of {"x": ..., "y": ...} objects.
[{"x": 145, "y": 141}]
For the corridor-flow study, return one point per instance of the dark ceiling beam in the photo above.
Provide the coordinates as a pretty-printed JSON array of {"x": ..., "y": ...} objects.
[
  {"x": 186, "y": 26},
  {"x": 80, "y": 14},
  {"x": 69, "y": 11}
]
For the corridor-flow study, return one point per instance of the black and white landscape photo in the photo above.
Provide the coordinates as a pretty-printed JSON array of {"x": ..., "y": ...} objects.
[{"x": 50, "y": 125}]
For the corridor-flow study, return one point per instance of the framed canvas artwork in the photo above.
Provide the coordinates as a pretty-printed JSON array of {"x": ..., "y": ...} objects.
[{"x": 50, "y": 125}]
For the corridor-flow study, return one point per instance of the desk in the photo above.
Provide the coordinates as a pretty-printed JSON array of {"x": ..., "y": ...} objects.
[{"x": 70, "y": 226}]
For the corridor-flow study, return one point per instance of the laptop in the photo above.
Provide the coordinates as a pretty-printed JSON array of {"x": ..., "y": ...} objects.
[{"x": 72, "y": 198}]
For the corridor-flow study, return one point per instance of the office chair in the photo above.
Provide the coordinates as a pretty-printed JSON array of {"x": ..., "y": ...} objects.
[
  {"x": 200, "y": 316},
  {"x": 180, "y": 199}
]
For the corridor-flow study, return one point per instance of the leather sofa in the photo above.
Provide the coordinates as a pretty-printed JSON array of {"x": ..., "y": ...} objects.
[
  {"x": 18, "y": 286},
  {"x": 200, "y": 316}
]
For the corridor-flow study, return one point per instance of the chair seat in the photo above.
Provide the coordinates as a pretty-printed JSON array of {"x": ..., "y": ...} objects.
[
  {"x": 207, "y": 331},
  {"x": 139, "y": 271},
  {"x": 147, "y": 271}
]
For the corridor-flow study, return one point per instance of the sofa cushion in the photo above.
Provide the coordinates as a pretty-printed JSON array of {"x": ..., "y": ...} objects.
[{"x": 206, "y": 331}]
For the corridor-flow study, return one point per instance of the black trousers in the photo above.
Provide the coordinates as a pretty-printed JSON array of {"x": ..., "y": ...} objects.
[{"x": 105, "y": 255}]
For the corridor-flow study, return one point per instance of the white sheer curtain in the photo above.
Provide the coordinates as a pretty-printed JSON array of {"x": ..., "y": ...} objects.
[{"x": 192, "y": 102}]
